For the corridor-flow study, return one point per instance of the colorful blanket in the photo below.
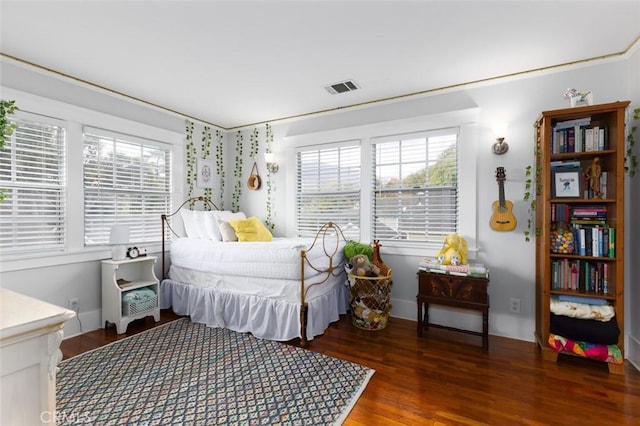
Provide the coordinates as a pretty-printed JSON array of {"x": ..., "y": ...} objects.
[{"x": 608, "y": 353}]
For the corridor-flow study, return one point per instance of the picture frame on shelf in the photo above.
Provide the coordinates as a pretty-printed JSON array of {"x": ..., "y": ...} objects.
[{"x": 567, "y": 184}]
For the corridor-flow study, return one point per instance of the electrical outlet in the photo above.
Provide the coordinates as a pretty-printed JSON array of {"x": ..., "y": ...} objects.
[
  {"x": 74, "y": 304},
  {"x": 515, "y": 306}
]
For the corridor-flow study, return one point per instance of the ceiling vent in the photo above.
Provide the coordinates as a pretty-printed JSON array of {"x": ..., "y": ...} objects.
[{"x": 342, "y": 87}]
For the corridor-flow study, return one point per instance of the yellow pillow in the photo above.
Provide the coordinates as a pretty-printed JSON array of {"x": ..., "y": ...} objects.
[{"x": 250, "y": 229}]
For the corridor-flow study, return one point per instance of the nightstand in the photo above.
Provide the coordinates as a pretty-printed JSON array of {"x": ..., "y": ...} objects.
[
  {"x": 119, "y": 278},
  {"x": 464, "y": 292}
]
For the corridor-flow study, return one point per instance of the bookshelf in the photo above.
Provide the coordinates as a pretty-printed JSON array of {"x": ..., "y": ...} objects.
[{"x": 580, "y": 214}]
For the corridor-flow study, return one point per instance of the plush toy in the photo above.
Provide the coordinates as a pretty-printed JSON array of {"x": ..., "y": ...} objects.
[
  {"x": 454, "y": 250},
  {"x": 362, "y": 267},
  {"x": 377, "y": 260}
]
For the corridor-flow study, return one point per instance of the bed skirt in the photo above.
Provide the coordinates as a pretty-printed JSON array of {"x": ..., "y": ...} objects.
[{"x": 265, "y": 318}]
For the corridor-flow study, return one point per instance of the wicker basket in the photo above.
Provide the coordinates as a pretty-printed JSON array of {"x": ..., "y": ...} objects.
[
  {"x": 370, "y": 300},
  {"x": 139, "y": 306}
]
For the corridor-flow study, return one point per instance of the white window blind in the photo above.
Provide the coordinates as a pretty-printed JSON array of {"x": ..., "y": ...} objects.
[
  {"x": 127, "y": 180},
  {"x": 32, "y": 177},
  {"x": 415, "y": 186},
  {"x": 328, "y": 188}
]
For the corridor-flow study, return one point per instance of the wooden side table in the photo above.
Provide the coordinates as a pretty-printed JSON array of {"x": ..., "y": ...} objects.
[{"x": 457, "y": 291}]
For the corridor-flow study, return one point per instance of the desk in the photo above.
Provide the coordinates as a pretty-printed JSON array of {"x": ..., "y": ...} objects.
[
  {"x": 30, "y": 336},
  {"x": 456, "y": 291}
]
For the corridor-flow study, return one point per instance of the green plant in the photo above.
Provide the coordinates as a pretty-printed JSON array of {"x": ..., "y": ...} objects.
[
  {"x": 532, "y": 185},
  {"x": 630, "y": 158},
  {"x": 7, "y": 108}
]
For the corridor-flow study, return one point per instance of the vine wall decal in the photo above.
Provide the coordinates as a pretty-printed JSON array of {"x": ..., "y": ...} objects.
[
  {"x": 270, "y": 187},
  {"x": 206, "y": 151},
  {"x": 191, "y": 153},
  {"x": 237, "y": 173},
  {"x": 220, "y": 165}
]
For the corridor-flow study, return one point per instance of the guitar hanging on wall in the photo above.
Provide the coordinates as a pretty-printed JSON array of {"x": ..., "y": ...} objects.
[{"x": 502, "y": 218}]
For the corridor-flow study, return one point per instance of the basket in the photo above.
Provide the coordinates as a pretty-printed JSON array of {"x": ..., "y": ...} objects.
[
  {"x": 139, "y": 306},
  {"x": 370, "y": 300}
]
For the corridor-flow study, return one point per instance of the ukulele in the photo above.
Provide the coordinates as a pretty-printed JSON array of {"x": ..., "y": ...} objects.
[{"x": 502, "y": 218}]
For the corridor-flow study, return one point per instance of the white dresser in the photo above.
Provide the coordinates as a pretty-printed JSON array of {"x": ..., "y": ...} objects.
[{"x": 30, "y": 336}]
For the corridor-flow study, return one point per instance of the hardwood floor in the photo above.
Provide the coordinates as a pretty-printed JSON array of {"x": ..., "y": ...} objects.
[{"x": 445, "y": 378}]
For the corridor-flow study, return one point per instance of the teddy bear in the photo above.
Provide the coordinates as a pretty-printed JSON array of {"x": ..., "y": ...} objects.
[
  {"x": 453, "y": 251},
  {"x": 361, "y": 267}
]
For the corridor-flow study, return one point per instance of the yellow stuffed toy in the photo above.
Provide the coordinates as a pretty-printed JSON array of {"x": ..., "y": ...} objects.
[{"x": 454, "y": 250}]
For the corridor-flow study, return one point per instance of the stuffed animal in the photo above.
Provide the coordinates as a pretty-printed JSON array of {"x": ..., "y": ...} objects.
[
  {"x": 454, "y": 250},
  {"x": 362, "y": 267},
  {"x": 377, "y": 260}
]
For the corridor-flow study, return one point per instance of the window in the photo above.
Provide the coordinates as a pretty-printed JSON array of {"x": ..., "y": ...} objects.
[
  {"x": 32, "y": 178},
  {"x": 415, "y": 186},
  {"x": 127, "y": 180},
  {"x": 328, "y": 188}
]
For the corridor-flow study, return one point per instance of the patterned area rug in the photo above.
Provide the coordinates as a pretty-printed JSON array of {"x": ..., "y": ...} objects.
[{"x": 187, "y": 373}]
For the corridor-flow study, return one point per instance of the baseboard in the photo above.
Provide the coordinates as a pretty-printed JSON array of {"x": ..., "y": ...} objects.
[
  {"x": 500, "y": 324},
  {"x": 90, "y": 321},
  {"x": 633, "y": 352}
]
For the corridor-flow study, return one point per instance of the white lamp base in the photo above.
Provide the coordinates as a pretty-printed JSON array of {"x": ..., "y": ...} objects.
[{"x": 118, "y": 252}]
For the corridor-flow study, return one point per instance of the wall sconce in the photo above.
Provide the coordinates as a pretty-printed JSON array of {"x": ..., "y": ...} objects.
[
  {"x": 272, "y": 166},
  {"x": 499, "y": 147},
  {"x": 118, "y": 239}
]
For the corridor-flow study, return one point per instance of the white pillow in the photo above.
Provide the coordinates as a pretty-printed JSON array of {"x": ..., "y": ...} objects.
[
  {"x": 199, "y": 224},
  {"x": 227, "y": 231},
  {"x": 224, "y": 216}
]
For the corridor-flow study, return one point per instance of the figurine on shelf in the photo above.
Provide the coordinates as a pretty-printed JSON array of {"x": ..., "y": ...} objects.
[{"x": 592, "y": 174}]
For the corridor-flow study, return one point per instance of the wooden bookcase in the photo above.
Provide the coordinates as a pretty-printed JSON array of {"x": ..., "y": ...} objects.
[{"x": 563, "y": 150}]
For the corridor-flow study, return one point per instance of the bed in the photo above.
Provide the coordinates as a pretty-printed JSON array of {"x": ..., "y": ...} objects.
[{"x": 279, "y": 290}]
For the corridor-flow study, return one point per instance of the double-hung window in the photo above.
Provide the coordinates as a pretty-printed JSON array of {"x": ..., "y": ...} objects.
[
  {"x": 415, "y": 186},
  {"x": 127, "y": 181},
  {"x": 32, "y": 179},
  {"x": 328, "y": 188}
]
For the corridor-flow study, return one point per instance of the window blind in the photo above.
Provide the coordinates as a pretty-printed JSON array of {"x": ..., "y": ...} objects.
[
  {"x": 127, "y": 180},
  {"x": 415, "y": 185},
  {"x": 328, "y": 188},
  {"x": 32, "y": 177}
]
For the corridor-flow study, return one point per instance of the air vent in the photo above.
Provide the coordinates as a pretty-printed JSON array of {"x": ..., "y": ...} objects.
[{"x": 342, "y": 87}]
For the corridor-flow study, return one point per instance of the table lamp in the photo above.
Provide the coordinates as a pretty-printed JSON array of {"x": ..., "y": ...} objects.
[{"x": 118, "y": 239}]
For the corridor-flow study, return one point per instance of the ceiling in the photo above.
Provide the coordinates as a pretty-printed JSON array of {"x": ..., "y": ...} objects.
[{"x": 236, "y": 63}]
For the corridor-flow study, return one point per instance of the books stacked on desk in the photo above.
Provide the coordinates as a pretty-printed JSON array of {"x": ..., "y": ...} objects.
[{"x": 477, "y": 270}]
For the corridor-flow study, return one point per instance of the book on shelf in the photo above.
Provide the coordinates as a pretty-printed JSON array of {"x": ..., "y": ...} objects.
[
  {"x": 579, "y": 135},
  {"x": 472, "y": 269},
  {"x": 580, "y": 275},
  {"x": 122, "y": 283}
]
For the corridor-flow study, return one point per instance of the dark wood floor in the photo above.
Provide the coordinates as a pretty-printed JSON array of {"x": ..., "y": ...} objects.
[{"x": 444, "y": 378}]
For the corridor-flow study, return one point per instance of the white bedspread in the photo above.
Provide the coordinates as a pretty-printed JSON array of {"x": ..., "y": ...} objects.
[
  {"x": 264, "y": 317},
  {"x": 277, "y": 259}
]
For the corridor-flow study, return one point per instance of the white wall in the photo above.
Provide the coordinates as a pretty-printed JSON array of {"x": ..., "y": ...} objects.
[
  {"x": 632, "y": 241},
  {"x": 511, "y": 259}
]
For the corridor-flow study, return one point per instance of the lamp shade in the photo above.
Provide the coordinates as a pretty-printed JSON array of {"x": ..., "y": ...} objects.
[
  {"x": 119, "y": 235},
  {"x": 268, "y": 157}
]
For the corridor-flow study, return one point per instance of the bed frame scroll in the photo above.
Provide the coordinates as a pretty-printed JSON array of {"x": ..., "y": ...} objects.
[
  {"x": 329, "y": 235},
  {"x": 207, "y": 203}
]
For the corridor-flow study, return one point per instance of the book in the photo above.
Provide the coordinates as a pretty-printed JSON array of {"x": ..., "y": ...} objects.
[{"x": 472, "y": 269}]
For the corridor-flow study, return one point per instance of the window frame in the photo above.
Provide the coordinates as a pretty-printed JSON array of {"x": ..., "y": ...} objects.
[
  {"x": 406, "y": 137},
  {"x": 465, "y": 120},
  {"x": 76, "y": 117},
  {"x": 351, "y": 144},
  {"x": 24, "y": 116}
]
